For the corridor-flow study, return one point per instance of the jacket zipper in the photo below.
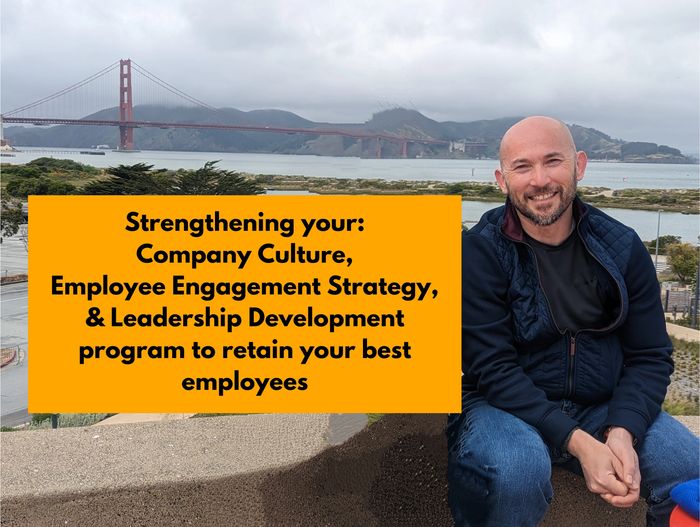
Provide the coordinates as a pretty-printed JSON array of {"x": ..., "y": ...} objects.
[
  {"x": 568, "y": 388},
  {"x": 570, "y": 378},
  {"x": 617, "y": 284},
  {"x": 572, "y": 347}
]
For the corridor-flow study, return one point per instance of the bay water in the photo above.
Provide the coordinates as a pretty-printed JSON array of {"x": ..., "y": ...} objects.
[{"x": 598, "y": 174}]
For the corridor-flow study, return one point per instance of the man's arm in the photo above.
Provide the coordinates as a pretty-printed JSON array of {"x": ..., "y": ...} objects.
[
  {"x": 489, "y": 356},
  {"x": 647, "y": 350}
]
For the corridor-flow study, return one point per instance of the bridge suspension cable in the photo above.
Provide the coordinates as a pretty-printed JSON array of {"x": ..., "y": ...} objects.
[
  {"x": 64, "y": 91},
  {"x": 172, "y": 89}
]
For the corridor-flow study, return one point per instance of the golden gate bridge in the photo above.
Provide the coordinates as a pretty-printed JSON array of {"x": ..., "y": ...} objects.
[{"x": 35, "y": 113}]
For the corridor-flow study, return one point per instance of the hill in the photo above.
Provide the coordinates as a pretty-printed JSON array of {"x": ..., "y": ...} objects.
[{"x": 398, "y": 121}]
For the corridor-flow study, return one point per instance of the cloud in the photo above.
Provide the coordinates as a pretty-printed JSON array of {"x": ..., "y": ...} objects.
[{"x": 627, "y": 68}]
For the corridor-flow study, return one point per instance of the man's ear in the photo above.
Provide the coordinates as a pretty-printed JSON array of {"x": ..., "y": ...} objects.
[
  {"x": 501, "y": 180},
  {"x": 581, "y": 163}
]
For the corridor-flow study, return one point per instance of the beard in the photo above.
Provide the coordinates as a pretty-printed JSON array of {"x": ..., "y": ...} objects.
[{"x": 524, "y": 206}]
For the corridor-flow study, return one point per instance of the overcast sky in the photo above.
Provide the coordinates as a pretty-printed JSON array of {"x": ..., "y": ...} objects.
[{"x": 628, "y": 68}]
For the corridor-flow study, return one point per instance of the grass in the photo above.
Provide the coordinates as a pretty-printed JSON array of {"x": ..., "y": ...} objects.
[
  {"x": 43, "y": 421},
  {"x": 40, "y": 421},
  {"x": 672, "y": 200},
  {"x": 214, "y": 415},
  {"x": 681, "y": 407},
  {"x": 683, "y": 393},
  {"x": 373, "y": 418}
]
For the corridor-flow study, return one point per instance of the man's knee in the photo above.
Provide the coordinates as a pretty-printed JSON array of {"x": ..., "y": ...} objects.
[
  {"x": 512, "y": 465},
  {"x": 505, "y": 487},
  {"x": 668, "y": 457},
  {"x": 523, "y": 472},
  {"x": 670, "y": 449}
]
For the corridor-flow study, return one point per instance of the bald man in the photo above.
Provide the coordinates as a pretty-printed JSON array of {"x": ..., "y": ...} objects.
[{"x": 565, "y": 354}]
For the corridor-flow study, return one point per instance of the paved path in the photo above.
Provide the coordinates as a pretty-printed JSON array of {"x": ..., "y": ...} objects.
[
  {"x": 683, "y": 332},
  {"x": 13, "y": 257},
  {"x": 13, "y": 331}
]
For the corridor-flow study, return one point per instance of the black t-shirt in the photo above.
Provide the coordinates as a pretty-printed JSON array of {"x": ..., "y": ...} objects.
[{"x": 576, "y": 284}]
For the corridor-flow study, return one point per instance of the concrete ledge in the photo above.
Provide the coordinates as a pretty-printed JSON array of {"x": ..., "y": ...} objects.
[
  {"x": 76, "y": 460},
  {"x": 251, "y": 471}
]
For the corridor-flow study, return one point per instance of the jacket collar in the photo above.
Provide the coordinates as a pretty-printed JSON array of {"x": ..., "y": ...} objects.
[{"x": 513, "y": 229}]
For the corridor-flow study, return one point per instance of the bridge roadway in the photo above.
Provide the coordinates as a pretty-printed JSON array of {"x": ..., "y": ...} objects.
[{"x": 236, "y": 127}]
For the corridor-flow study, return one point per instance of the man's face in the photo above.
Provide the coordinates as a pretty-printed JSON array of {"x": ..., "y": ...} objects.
[
  {"x": 543, "y": 205},
  {"x": 539, "y": 171}
]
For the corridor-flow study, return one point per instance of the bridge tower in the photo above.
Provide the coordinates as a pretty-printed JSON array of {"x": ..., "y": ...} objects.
[{"x": 126, "y": 107}]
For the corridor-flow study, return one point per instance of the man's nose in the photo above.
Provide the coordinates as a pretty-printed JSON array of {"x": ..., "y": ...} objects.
[{"x": 540, "y": 177}]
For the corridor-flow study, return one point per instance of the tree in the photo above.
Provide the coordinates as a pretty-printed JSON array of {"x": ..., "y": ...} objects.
[
  {"x": 21, "y": 188},
  {"x": 683, "y": 259},
  {"x": 664, "y": 242},
  {"x": 140, "y": 179},
  {"x": 128, "y": 180},
  {"x": 455, "y": 188},
  {"x": 50, "y": 164},
  {"x": 11, "y": 216},
  {"x": 210, "y": 180}
]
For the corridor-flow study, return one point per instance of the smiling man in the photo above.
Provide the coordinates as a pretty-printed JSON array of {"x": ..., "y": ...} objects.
[
  {"x": 565, "y": 354},
  {"x": 540, "y": 175}
]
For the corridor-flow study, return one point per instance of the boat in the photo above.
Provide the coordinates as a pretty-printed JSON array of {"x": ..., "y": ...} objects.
[{"x": 92, "y": 153}]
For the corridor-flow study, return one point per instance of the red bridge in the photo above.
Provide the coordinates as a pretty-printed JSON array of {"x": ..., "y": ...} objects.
[{"x": 127, "y": 123}]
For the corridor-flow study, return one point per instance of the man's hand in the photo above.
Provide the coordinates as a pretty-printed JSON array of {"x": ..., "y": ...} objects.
[
  {"x": 621, "y": 444},
  {"x": 601, "y": 468}
]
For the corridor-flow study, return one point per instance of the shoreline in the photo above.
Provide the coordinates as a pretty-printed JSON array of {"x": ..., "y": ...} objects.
[
  {"x": 76, "y": 175},
  {"x": 684, "y": 201}
]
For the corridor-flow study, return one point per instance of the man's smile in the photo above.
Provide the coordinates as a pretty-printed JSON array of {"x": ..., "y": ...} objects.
[{"x": 542, "y": 197}]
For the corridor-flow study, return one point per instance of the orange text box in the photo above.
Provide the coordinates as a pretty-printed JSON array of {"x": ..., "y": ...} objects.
[{"x": 244, "y": 304}]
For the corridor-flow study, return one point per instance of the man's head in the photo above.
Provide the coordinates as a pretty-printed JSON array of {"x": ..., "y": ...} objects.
[{"x": 539, "y": 169}]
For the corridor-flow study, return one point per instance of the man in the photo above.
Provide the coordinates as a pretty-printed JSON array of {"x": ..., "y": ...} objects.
[{"x": 566, "y": 359}]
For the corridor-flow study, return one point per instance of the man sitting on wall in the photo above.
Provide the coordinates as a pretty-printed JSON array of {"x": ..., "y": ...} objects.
[{"x": 566, "y": 358}]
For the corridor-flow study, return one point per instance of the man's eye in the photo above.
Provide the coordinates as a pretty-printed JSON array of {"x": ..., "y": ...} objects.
[
  {"x": 520, "y": 168},
  {"x": 553, "y": 162}
]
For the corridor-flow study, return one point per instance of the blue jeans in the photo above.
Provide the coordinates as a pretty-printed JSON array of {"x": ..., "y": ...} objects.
[{"x": 499, "y": 467}]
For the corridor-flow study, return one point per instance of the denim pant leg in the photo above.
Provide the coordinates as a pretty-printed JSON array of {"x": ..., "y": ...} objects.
[
  {"x": 669, "y": 455},
  {"x": 499, "y": 469}
]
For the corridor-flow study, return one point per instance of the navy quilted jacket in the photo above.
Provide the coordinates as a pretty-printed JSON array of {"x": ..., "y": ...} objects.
[{"x": 514, "y": 355}]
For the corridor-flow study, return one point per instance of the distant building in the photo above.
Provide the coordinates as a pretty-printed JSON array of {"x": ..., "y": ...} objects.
[
  {"x": 458, "y": 146},
  {"x": 475, "y": 149},
  {"x": 5, "y": 146}
]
